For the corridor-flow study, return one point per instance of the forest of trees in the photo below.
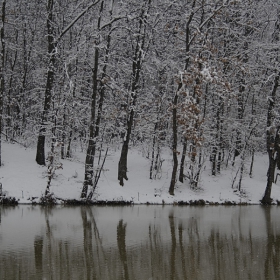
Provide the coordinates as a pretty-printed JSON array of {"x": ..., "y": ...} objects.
[{"x": 198, "y": 76}]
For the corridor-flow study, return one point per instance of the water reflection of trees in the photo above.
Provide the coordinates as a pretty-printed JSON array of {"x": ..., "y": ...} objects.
[
  {"x": 121, "y": 233},
  {"x": 221, "y": 255},
  {"x": 186, "y": 251},
  {"x": 272, "y": 258},
  {"x": 38, "y": 253},
  {"x": 88, "y": 246}
]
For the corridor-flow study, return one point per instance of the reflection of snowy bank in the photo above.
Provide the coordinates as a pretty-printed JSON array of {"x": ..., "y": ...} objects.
[
  {"x": 66, "y": 222},
  {"x": 23, "y": 179}
]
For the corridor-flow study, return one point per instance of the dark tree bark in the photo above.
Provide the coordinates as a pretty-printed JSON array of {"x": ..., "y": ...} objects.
[
  {"x": 174, "y": 144},
  {"x": 52, "y": 45},
  {"x": 92, "y": 141},
  {"x": 153, "y": 153},
  {"x": 9, "y": 131},
  {"x": 136, "y": 69},
  {"x": 68, "y": 152},
  {"x": 2, "y": 66},
  {"x": 240, "y": 115},
  {"x": 182, "y": 163},
  {"x": 213, "y": 157},
  {"x": 100, "y": 103},
  {"x": 96, "y": 116},
  {"x": 195, "y": 173},
  {"x": 272, "y": 143},
  {"x": 216, "y": 155},
  {"x": 254, "y": 133},
  {"x": 174, "y": 109},
  {"x": 51, "y": 167},
  {"x": 221, "y": 140},
  {"x": 272, "y": 132},
  {"x": 40, "y": 156}
]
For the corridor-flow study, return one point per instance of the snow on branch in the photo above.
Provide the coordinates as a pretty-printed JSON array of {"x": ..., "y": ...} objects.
[
  {"x": 76, "y": 19},
  {"x": 111, "y": 21},
  {"x": 206, "y": 21}
]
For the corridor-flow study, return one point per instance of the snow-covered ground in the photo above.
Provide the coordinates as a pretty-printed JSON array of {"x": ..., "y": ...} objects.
[{"x": 22, "y": 178}]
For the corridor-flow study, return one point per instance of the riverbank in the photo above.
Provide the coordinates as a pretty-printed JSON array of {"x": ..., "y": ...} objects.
[{"x": 26, "y": 181}]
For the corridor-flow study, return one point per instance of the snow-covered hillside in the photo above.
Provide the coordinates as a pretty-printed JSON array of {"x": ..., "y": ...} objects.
[{"x": 22, "y": 178}]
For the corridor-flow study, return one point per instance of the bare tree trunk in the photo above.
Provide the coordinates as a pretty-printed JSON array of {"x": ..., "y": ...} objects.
[
  {"x": 270, "y": 180},
  {"x": 97, "y": 176},
  {"x": 122, "y": 167},
  {"x": 63, "y": 137},
  {"x": 2, "y": 66},
  {"x": 174, "y": 109},
  {"x": 95, "y": 128},
  {"x": 40, "y": 156},
  {"x": 182, "y": 164},
  {"x": 221, "y": 153},
  {"x": 174, "y": 145},
  {"x": 253, "y": 148},
  {"x": 136, "y": 69},
  {"x": 241, "y": 170},
  {"x": 216, "y": 155},
  {"x": 153, "y": 152},
  {"x": 252, "y": 163},
  {"x": 240, "y": 110},
  {"x": 8, "y": 95},
  {"x": 68, "y": 152},
  {"x": 214, "y": 149},
  {"x": 51, "y": 167},
  {"x": 272, "y": 143},
  {"x": 213, "y": 159},
  {"x": 52, "y": 44},
  {"x": 92, "y": 141}
]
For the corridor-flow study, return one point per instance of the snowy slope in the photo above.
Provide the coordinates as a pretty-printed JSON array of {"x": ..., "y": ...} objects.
[{"x": 22, "y": 178}]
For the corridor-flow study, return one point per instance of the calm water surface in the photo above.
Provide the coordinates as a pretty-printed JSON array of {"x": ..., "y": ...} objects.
[{"x": 140, "y": 242}]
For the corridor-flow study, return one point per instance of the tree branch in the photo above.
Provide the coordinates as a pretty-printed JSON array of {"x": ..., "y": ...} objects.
[{"x": 75, "y": 20}]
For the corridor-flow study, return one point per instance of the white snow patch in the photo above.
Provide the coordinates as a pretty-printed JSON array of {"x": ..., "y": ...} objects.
[{"x": 22, "y": 178}]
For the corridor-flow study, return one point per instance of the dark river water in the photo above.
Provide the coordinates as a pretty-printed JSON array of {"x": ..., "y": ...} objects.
[{"x": 140, "y": 242}]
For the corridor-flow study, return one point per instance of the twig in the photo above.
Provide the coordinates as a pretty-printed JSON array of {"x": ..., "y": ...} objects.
[
  {"x": 235, "y": 178},
  {"x": 97, "y": 177}
]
